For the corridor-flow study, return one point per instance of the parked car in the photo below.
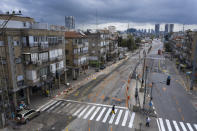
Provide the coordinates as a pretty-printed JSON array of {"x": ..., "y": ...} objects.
[
  {"x": 102, "y": 67},
  {"x": 25, "y": 116},
  {"x": 97, "y": 69}
]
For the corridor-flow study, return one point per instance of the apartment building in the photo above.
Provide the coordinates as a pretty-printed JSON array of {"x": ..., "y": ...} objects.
[
  {"x": 32, "y": 59},
  {"x": 76, "y": 50},
  {"x": 183, "y": 46},
  {"x": 98, "y": 46},
  {"x": 113, "y": 44}
]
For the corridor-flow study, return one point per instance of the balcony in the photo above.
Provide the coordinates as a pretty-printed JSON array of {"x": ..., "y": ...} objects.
[{"x": 45, "y": 46}]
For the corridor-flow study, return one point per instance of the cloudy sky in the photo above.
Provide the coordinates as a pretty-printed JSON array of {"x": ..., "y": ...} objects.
[{"x": 139, "y": 13}]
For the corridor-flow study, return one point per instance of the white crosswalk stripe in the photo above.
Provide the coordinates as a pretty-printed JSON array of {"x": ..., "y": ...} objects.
[
  {"x": 183, "y": 126},
  {"x": 168, "y": 125},
  {"x": 162, "y": 125},
  {"x": 63, "y": 107},
  {"x": 86, "y": 116},
  {"x": 43, "y": 109},
  {"x": 49, "y": 102},
  {"x": 78, "y": 110},
  {"x": 100, "y": 112},
  {"x": 74, "y": 109},
  {"x": 83, "y": 111},
  {"x": 94, "y": 114},
  {"x": 99, "y": 117},
  {"x": 190, "y": 127},
  {"x": 118, "y": 118},
  {"x": 106, "y": 116},
  {"x": 54, "y": 106},
  {"x": 113, "y": 116},
  {"x": 176, "y": 126},
  {"x": 132, "y": 119},
  {"x": 195, "y": 125},
  {"x": 125, "y": 118},
  {"x": 58, "y": 108}
]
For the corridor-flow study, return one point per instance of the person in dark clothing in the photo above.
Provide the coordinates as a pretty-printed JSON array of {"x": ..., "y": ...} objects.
[{"x": 113, "y": 109}]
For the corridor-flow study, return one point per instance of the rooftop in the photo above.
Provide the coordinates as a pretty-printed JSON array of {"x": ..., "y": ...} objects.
[
  {"x": 74, "y": 34},
  {"x": 16, "y": 18}
]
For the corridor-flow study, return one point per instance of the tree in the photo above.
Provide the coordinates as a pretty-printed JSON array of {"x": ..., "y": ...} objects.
[
  {"x": 138, "y": 40},
  {"x": 167, "y": 47}
]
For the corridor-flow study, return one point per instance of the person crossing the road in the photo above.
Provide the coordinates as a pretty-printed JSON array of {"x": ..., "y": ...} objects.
[
  {"x": 147, "y": 121},
  {"x": 113, "y": 110}
]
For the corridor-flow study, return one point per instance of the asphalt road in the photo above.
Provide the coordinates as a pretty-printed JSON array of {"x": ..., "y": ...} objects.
[
  {"x": 172, "y": 102},
  {"x": 88, "y": 108}
]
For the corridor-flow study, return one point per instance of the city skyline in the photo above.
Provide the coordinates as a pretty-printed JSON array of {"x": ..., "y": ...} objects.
[{"x": 92, "y": 12}]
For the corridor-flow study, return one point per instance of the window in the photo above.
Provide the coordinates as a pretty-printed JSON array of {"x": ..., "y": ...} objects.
[
  {"x": 67, "y": 52},
  {"x": 18, "y": 60},
  {"x": 43, "y": 71},
  {"x": 75, "y": 51},
  {"x": 67, "y": 62},
  {"x": 24, "y": 24},
  {"x": 16, "y": 43}
]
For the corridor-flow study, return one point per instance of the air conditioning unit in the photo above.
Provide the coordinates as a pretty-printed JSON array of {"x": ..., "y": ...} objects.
[
  {"x": 44, "y": 77},
  {"x": 34, "y": 62},
  {"x": 39, "y": 62}
]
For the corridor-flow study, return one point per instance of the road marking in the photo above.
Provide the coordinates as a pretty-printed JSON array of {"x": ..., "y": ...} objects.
[
  {"x": 44, "y": 105},
  {"x": 125, "y": 118},
  {"x": 91, "y": 109},
  {"x": 113, "y": 116},
  {"x": 74, "y": 109},
  {"x": 54, "y": 106},
  {"x": 118, "y": 118},
  {"x": 190, "y": 127},
  {"x": 78, "y": 110},
  {"x": 58, "y": 107},
  {"x": 195, "y": 125},
  {"x": 99, "y": 117},
  {"x": 168, "y": 125},
  {"x": 158, "y": 125},
  {"x": 64, "y": 107},
  {"x": 162, "y": 125},
  {"x": 96, "y": 104},
  {"x": 83, "y": 111},
  {"x": 176, "y": 126},
  {"x": 183, "y": 126},
  {"x": 106, "y": 116},
  {"x": 132, "y": 119},
  {"x": 48, "y": 106},
  {"x": 94, "y": 114}
]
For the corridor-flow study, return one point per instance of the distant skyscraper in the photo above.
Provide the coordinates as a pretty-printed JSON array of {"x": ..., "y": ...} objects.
[
  {"x": 171, "y": 28},
  {"x": 157, "y": 27},
  {"x": 70, "y": 22},
  {"x": 166, "y": 28}
]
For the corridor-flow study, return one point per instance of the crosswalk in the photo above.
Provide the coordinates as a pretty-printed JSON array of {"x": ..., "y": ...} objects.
[
  {"x": 167, "y": 125},
  {"x": 91, "y": 111}
]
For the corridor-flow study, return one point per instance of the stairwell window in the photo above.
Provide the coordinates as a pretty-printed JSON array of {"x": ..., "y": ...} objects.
[{"x": 24, "y": 24}]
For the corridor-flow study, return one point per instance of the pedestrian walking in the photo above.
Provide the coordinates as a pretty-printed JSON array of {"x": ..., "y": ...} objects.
[
  {"x": 147, "y": 121},
  {"x": 113, "y": 110}
]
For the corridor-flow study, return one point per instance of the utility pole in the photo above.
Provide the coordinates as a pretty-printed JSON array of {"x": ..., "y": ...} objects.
[
  {"x": 145, "y": 87},
  {"x": 194, "y": 67},
  {"x": 143, "y": 68}
]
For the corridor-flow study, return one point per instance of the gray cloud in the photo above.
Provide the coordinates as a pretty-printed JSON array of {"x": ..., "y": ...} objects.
[{"x": 149, "y": 11}]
